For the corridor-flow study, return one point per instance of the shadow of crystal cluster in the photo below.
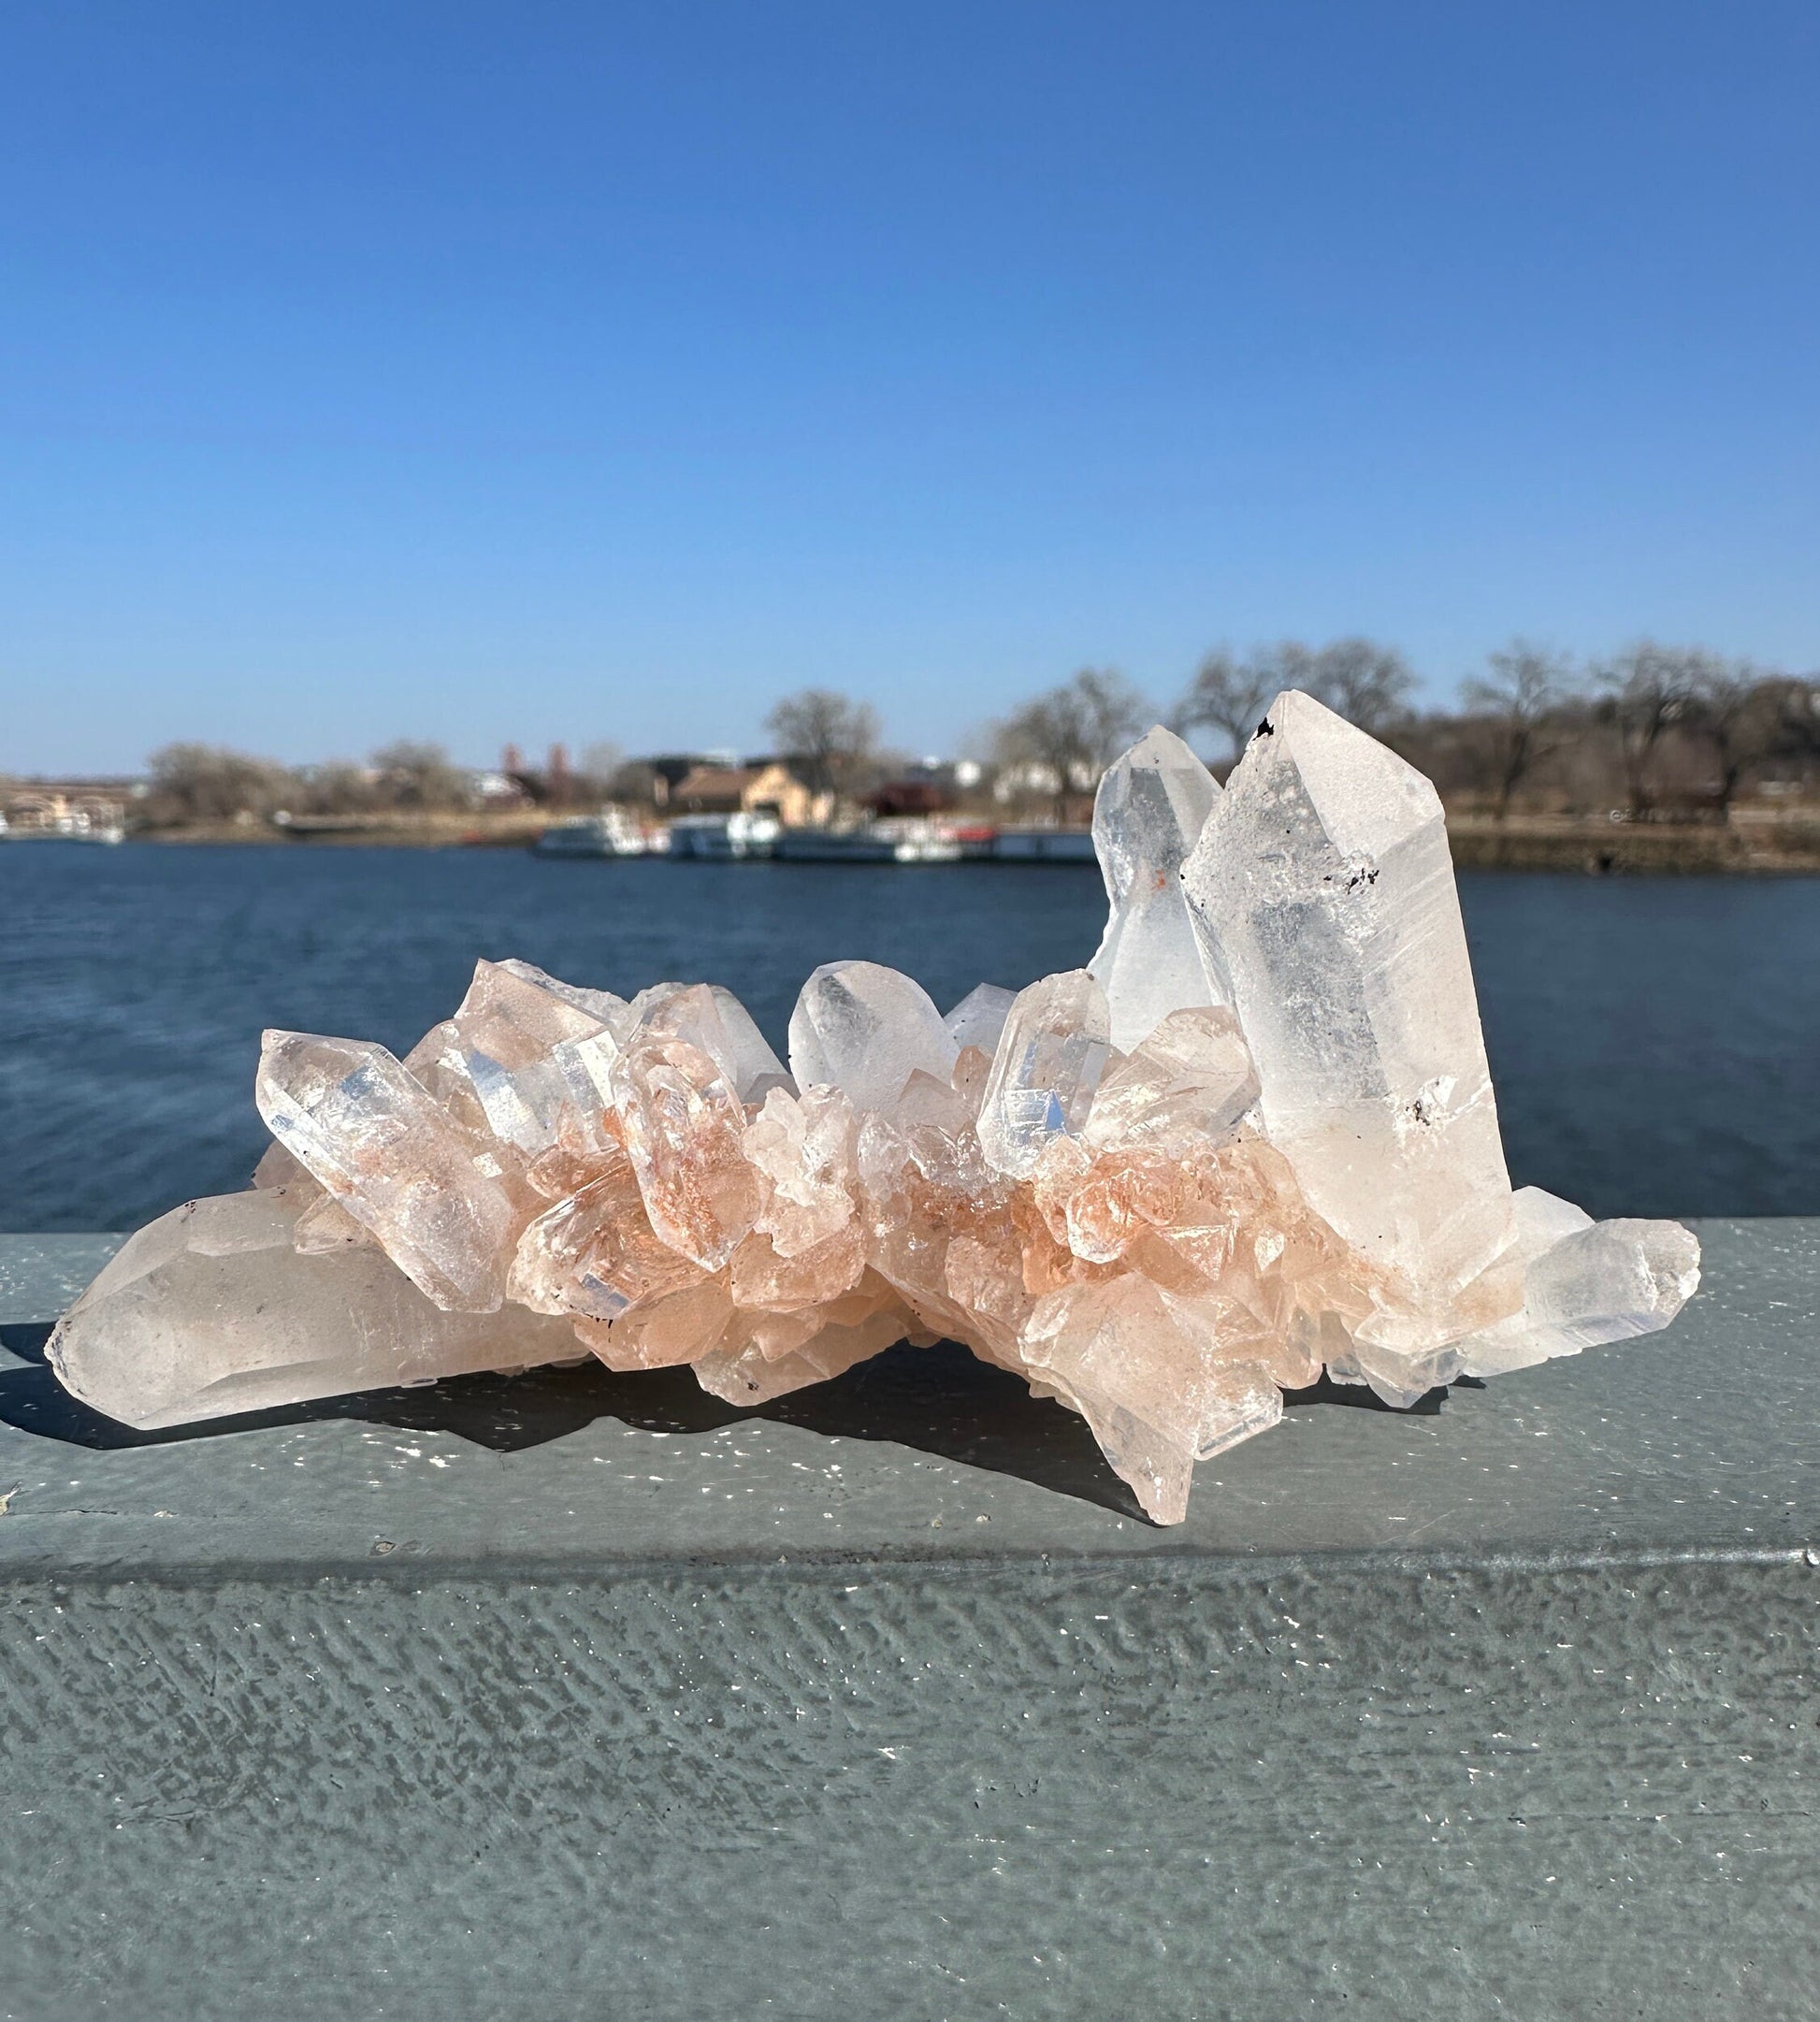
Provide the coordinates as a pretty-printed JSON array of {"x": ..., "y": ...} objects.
[{"x": 1254, "y": 1139}]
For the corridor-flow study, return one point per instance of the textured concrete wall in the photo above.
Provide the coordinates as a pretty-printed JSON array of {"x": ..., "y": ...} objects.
[{"x": 573, "y": 1695}]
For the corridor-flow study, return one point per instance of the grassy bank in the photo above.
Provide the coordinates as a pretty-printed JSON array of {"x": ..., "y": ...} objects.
[
  {"x": 1752, "y": 844},
  {"x": 395, "y": 830}
]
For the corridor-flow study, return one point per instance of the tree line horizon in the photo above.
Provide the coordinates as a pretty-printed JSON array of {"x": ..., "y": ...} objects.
[{"x": 1655, "y": 732}]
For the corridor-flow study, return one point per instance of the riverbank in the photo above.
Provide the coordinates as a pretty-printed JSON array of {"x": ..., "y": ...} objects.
[{"x": 1752, "y": 844}]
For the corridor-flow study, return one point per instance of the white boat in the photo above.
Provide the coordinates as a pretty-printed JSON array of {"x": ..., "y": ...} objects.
[
  {"x": 723, "y": 838},
  {"x": 610, "y": 833},
  {"x": 925, "y": 842}
]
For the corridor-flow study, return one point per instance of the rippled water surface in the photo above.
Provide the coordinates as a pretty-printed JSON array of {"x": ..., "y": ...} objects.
[{"x": 1654, "y": 1041}]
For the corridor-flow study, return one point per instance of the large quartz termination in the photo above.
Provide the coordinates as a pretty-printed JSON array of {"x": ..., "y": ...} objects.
[
  {"x": 211, "y": 1310},
  {"x": 1324, "y": 891},
  {"x": 1253, "y": 1139}
]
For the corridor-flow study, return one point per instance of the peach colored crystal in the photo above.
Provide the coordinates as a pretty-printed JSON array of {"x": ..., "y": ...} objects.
[{"x": 1253, "y": 1139}]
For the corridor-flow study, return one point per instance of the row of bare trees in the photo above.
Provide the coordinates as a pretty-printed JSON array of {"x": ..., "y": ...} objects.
[
  {"x": 1663, "y": 731},
  {"x": 207, "y": 785},
  {"x": 1657, "y": 732}
]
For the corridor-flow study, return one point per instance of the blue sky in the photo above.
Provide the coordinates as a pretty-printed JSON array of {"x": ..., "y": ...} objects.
[{"x": 532, "y": 371}]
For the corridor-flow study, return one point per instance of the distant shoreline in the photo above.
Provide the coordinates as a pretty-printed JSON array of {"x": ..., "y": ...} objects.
[{"x": 1751, "y": 846}]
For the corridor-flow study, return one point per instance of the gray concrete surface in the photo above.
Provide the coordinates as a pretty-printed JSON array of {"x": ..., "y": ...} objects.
[{"x": 575, "y": 1695}]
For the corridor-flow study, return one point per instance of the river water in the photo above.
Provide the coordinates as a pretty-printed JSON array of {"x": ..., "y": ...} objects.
[{"x": 1653, "y": 1042}]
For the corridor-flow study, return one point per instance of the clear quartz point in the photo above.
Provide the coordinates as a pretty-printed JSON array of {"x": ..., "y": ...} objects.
[
  {"x": 1602, "y": 1281},
  {"x": 683, "y": 1125},
  {"x": 1322, "y": 891},
  {"x": 715, "y": 1020},
  {"x": 1148, "y": 814},
  {"x": 1045, "y": 1071},
  {"x": 211, "y": 1310},
  {"x": 980, "y": 1018},
  {"x": 372, "y": 1136},
  {"x": 1256, "y": 1137},
  {"x": 1185, "y": 1087},
  {"x": 866, "y": 1029},
  {"x": 505, "y": 1034}
]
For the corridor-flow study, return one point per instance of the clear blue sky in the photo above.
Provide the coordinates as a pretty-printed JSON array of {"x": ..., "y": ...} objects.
[{"x": 531, "y": 371}]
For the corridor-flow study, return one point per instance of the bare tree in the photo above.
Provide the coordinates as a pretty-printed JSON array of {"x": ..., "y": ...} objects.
[
  {"x": 337, "y": 787},
  {"x": 1797, "y": 719},
  {"x": 828, "y": 735},
  {"x": 1519, "y": 704},
  {"x": 1071, "y": 733},
  {"x": 1650, "y": 689},
  {"x": 1742, "y": 713},
  {"x": 208, "y": 783},
  {"x": 1367, "y": 684},
  {"x": 1112, "y": 712},
  {"x": 1230, "y": 695},
  {"x": 415, "y": 774}
]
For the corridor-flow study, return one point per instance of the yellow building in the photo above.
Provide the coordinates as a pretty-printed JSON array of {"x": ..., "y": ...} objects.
[{"x": 750, "y": 789}]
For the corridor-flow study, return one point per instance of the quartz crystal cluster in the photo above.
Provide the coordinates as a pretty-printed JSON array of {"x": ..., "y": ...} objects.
[{"x": 1253, "y": 1139}]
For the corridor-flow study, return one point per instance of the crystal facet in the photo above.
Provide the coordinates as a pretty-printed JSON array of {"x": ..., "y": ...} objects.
[
  {"x": 1048, "y": 1064},
  {"x": 1254, "y": 1139}
]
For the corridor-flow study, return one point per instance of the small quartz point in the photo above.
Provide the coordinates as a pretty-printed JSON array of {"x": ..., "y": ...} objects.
[
  {"x": 209, "y": 1311},
  {"x": 1157, "y": 1394},
  {"x": 506, "y": 1031},
  {"x": 277, "y": 1168},
  {"x": 1323, "y": 891},
  {"x": 749, "y": 1376},
  {"x": 1147, "y": 814},
  {"x": 600, "y": 1005},
  {"x": 1045, "y": 1073},
  {"x": 683, "y": 1123},
  {"x": 372, "y": 1135},
  {"x": 803, "y": 1149},
  {"x": 1254, "y": 1139},
  {"x": 755, "y": 1069},
  {"x": 1588, "y": 1285},
  {"x": 322, "y": 1224},
  {"x": 595, "y": 1254},
  {"x": 980, "y": 1018},
  {"x": 866, "y": 1029},
  {"x": 715, "y": 1020},
  {"x": 1186, "y": 1088}
]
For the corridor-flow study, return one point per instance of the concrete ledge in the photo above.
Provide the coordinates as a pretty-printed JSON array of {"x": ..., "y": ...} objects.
[{"x": 583, "y": 1695}]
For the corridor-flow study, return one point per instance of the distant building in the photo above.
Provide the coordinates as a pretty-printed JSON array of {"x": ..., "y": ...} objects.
[
  {"x": 747, "y": 789},
  {"x": 82, "y": 810},
  {"x": 909, "y": 797},
  {"x": 930, "y": 786},
  {"x": 666, "y": 772}
]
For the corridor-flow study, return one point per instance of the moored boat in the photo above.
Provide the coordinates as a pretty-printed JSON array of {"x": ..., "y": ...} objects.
[
  {"x": 723, "y": 838},
  {"x": 610, "y": 833}
]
